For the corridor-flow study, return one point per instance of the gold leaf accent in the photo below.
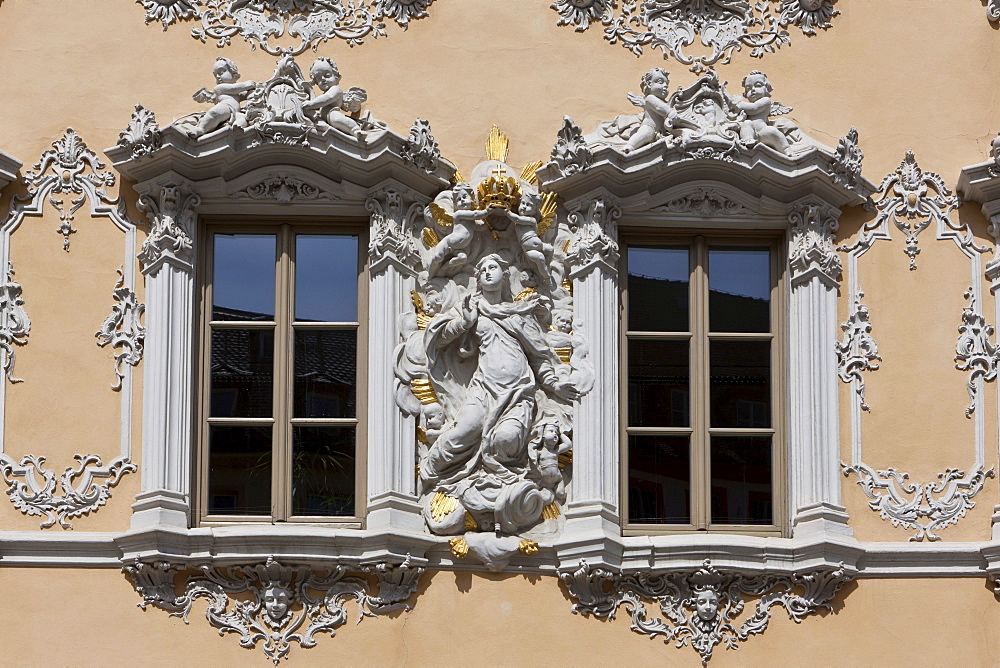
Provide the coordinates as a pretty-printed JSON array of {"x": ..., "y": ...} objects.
[
  {"x": 457, "y": 177},
  {"x": 524, "y": 294},
  {"x": 564, "y": 354},
  {"x": 459, "y": 548},
  {"x": 551, "y": 511},
  {"x": 423, "y": 390},
  {"x": 496, "y": 145},
  {"x": 528, "y": 546},
  {"x": 431, "y": 238},
  {"x": 441, "y": 505},
  {"x": 442, "y": 217},
  {"x": 565, "y": 459},
  {"x": 470, "y": 522},
  {"x": 416, "y": 469},
  {"x": 422, "y": 437},
  {"x": 418, "y": 303},
  {"x": 499, "y": 191},
  {"x": 566, "y": 246},
  {"x": 567, "y": 285},
  {"x": 547, "y": 213},
  {"x": 528, "y": 172}
]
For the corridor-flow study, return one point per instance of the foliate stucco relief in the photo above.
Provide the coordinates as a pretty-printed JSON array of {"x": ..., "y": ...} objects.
[
  {"x": 16, "y": 324},
  {"x": 281, "y": 604},
  {"x": 701, "y": 608},
  {"x": 263, "y": 22},
  {"x": 123, "y": 329},
  {"x": 722, "y": 26},
  {"x": 489, "y": 363}
]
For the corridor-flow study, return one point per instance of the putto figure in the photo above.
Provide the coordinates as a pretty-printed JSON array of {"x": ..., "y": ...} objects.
[
  {"x": 756, "y": 103},
  {"x": 226, "y": 95},
  {"x": 329, "y": 106}
]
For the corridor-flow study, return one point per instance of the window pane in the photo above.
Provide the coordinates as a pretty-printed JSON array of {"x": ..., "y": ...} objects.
[
  {"x": 658, "y": 289},
  {"x": 658, "y": 376},
  {"x": 326, "y": 278},
  {"x": 243, "y": 277},
  {"x": 242, "y": 372},
  {"x": 659, "y": 480},
  {"x": 325, "y": 373},
  {"x": 323, "y": 471},
  {"x": 741, "y": 480},
  {"x": 740, "y": 383},
  {"x": 239, "y": 470},
  {"x": 739, "y": 283}
]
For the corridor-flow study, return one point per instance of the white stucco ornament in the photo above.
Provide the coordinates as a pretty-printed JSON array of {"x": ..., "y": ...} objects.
[
  {"x": 281, "y": 605},
  {"x": 263, "y": 22},
  {"x": 489, "y": 364},
  {"x": 704, "y": 115},
  {"x": 702, "y": 608},
  {"x": 722, "y": 26}
]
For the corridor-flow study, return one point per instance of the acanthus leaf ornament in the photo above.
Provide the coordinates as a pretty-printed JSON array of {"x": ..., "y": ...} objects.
[
  {"x": 596, "y": 231},
  {"x": 421, "y": 148},
  {"x": 571, "y": 153},
  {"x": 858, "y": 351},
  {"x": 123, "y": 329},
  {"x": 16, "y": 324},
  {"x": 393, "y": 214},
  {"x": 846, "y": 166},
  {"x": 261, "y": 22},
  {"x": 142, "y": 135},
  {"x": 62, "y": 170},
  {"x": 927, "y": 507},
  {"x": 81, "y": 492},
  {"x": 702, "y": 608},
  {"x": 974, "y": 351},
  {"x": 280, "y": 605},
  {"x": 705, "y": 202}
]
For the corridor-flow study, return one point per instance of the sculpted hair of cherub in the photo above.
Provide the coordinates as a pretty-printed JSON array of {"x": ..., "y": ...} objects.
[{"x": 648, "y": 77}]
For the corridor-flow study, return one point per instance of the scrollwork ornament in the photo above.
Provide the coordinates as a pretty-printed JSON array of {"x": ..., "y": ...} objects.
[
  {"x": 260, "y": 22},
  {"x": 16, "y": 324},
  {"x": 846, "y": 167},
  {"x": 421, "y": 149},
  {"x": 389, "y": 237},
  {"x": 68, "y": 168},
  {"x": 142, "y": 135},
  {"x": 282, "y": 604},
  {"x": 123, "y": 329},
  {"x": 993, "y": 10},
  {"x": 807, "y": 15},
  {"x": 705, "y": 202},
  {"x": 927, "y": 507},
  {"x": 858, "y": 352},
  {"x": 571, "y": 154},
  {"x": 81, "y": 492},
  {"x": 283, "y": 188},
  {"x": 722, "y": 26},
  {"x": 974, "y": 351},
  {"x": 702, "y": 608}
]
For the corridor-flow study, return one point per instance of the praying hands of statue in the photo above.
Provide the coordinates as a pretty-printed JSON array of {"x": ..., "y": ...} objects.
[{"x": 470, "y": 312}]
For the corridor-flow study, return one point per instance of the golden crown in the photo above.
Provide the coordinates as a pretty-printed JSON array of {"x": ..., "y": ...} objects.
[{"x": 499, "y": 191}]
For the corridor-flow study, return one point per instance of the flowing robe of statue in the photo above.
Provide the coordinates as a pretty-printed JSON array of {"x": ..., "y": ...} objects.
[{"x": 482, "y": 460}]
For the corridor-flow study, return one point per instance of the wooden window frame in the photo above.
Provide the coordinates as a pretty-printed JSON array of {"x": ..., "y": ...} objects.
[
  {"x": 283, "y": 326},
  {"x": 699, "y": 336}
]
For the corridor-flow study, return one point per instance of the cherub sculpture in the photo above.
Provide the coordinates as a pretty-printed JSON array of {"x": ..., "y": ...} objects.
[
  {"x": 226, "y": 95},
  {"x": 526, "y": 224},
  {"x": 756, "y": 103},
  {"x": 330, "y": 106},
  {"x": 463, "y": 222},
  {"x": 658, "y": 117}
]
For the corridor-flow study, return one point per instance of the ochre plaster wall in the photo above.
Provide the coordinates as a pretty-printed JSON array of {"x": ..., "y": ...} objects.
[
  {"x": 502, "y": 620},
  {"x": 909, "y": 74}
]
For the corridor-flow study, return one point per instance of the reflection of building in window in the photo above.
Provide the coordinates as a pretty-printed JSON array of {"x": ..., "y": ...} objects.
[
  {"x": 699, "y": 364},
  {"x": 281, "y": 426}
]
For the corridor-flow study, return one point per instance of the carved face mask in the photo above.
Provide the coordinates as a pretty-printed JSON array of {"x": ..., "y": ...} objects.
[
  {"x": 706, "y": 605},
  {"x": 276, "y": 602}
]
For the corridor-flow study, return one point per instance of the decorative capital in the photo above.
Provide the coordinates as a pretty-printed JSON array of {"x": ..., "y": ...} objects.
[
  {"x": 595, "y": 242},
  {"x": 171, "y": 211},
  {"x": 142, "y": 135},
  {"x": 421, "y": 149},
  {"x": 811, "y": 252},
  {"x": 571, "y": 153},
  {"x": 394, "y": 212}
]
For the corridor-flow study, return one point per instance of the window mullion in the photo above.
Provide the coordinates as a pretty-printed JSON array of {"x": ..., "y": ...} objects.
[
  {"x": 700, "y": 474},
  {"x": 281, "y": 478}
]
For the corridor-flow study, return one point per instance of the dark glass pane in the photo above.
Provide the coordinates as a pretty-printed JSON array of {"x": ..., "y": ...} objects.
[
  {"x": 659, "y": 480},
  {"x": 742, "y": 490},
  {"x": 325, "y": 373},
  {"x": 242, "y": 372},
  {"x": 323, "y": 471},
  {"x": 658, "y": 377},
  {"x": 326, "y": 278},
  {"x": 243, "y": 277},
  {"x": 239, "y": 470},
  {"x": 658, "y": 289},
  {"x": 740, "y": 383},
  {"x": 739, "y": 283}
]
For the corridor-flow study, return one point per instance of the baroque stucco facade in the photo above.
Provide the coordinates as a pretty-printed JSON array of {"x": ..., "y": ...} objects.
[{"x": 889, "y": 362}]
